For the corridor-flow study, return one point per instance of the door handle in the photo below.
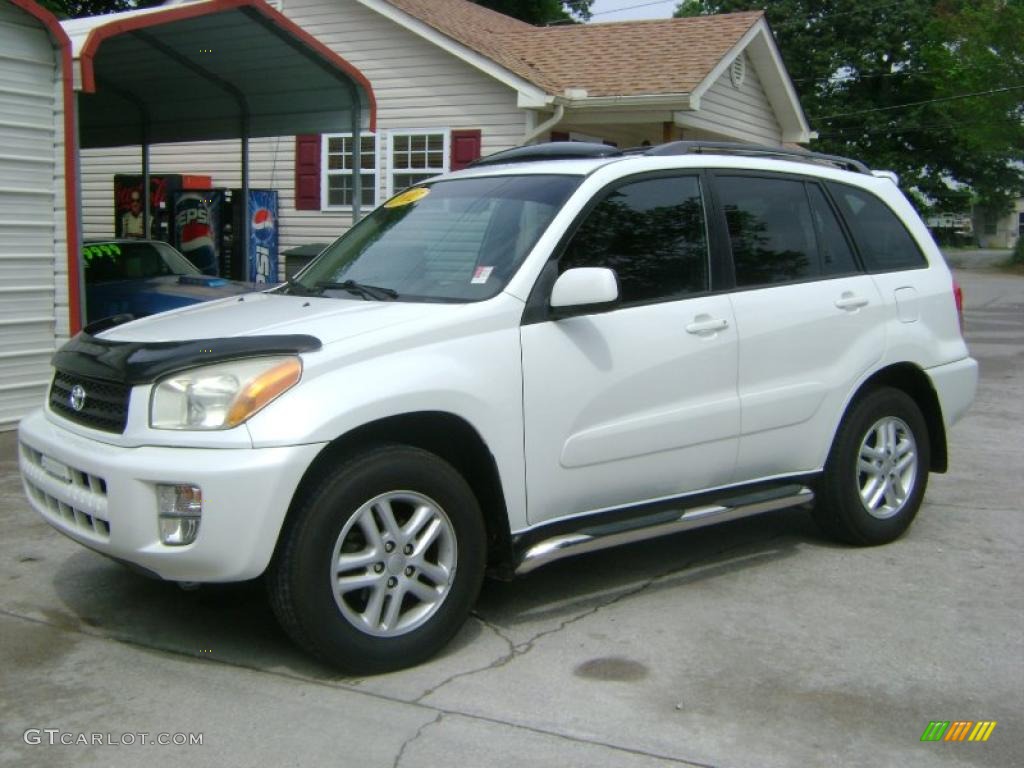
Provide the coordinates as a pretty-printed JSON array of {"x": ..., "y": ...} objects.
[
  {"x": 851, "y": 302},
  {"x": 705, "y": 324}
]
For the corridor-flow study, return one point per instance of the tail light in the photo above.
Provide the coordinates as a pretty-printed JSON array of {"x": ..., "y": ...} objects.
[{"x": 958, "y": 297}]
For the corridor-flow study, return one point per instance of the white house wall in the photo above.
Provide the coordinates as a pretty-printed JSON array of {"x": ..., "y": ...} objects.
[
  {"x": 33, "y": 253},
  {"x": 417, "y": 85},
  {"x": 743, "y": 113}
]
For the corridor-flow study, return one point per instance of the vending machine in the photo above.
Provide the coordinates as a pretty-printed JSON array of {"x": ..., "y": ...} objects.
[
  {"x": 197, "y": 228},
  {"x": 163, "y": 188},
  {"x": 260, "y": 232},
  {"x": 210, "y": 226}
]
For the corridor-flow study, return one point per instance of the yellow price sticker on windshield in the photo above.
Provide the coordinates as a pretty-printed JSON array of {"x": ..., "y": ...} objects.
[{"x": 408, "y": 197}]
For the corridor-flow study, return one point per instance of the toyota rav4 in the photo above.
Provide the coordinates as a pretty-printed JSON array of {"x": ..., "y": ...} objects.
[{"x": 560, "y": 349}]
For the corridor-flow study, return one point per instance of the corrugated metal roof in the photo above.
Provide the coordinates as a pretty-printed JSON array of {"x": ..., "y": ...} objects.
[{"x": 198, "y": 71}]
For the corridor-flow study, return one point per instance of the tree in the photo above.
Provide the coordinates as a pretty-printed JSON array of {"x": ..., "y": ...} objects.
[
  {"x": 932, "y": 89},
  {"x": 541, "y": 11},
  {"x": 75, "y": 9}
]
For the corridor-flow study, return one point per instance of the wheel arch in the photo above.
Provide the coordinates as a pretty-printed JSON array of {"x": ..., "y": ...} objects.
[
  {"x": 911, "y": 379},
  {"x": 444, "y": 434}
]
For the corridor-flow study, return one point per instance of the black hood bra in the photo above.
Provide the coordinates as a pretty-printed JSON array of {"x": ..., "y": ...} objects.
[{"x": 143, "y": 362}]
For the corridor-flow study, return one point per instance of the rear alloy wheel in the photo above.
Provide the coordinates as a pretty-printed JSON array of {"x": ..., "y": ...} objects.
[
  {"x": 877, "y": 471},
  {"x": 887, "y": 467},
  {"x": 381, "y": 564}
]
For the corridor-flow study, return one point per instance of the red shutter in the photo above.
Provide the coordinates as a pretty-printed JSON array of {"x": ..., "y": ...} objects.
[
  {"x": 465, "y": 148},
  {"x": 307, "y": 172},
  {"x": 559, "y": 136}
]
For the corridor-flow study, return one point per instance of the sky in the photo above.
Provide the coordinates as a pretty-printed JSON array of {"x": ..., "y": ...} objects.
[{"x": 622, "y": 10}]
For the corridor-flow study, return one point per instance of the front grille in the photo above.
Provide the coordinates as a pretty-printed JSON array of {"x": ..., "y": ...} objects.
[
  {"x": 69, "y": 495},
  {"x": 105, "y": 405}
]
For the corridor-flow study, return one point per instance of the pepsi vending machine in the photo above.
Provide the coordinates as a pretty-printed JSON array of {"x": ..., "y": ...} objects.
[
  {"x": 197, "y": 231},
  {"x": 209, "y": 227},
  {"x": 260, "y": 232}
]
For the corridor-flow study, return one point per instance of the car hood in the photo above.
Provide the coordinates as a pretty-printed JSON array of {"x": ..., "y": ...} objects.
[{"x": 262, "y": 314}]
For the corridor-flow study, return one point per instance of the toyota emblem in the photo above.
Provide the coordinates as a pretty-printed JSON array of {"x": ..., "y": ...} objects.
[{"x": 77, "y": 398}]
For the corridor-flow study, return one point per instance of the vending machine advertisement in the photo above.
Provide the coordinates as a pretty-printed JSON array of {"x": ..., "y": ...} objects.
[
  {"x": 197, "y": 228},
  {"x": 262, "y": 233}
]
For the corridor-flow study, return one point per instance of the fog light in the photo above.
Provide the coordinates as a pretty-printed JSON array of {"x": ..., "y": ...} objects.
[{"x": 180, "y": 508}]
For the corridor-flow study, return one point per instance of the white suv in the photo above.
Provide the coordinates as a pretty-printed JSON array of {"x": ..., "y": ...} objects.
[{"x": 563, "y": 348}]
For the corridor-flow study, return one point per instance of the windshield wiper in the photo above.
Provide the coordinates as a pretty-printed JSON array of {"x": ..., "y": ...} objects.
[
  {"x": 296, "y": 288},
  {"x": 360, "y": 289}
]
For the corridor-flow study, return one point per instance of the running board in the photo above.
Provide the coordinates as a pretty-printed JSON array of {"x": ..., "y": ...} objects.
[{"x": 596, "y": 537}]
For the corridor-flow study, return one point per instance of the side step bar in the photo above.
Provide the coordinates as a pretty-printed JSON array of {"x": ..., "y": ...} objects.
[{"x": 596, "y": 537}]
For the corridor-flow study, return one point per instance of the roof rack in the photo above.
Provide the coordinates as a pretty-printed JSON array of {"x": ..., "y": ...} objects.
[
  {"x": 554, "y": 150},
  {"x": 579, "y": 150},
  {"x": 752, "y": 150}
]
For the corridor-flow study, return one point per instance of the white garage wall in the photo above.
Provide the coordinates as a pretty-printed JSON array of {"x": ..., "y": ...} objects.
[{"x": 33, "y": 269}]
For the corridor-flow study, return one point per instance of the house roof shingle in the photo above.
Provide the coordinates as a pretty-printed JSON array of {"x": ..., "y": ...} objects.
[{"x": 664, "y": 56}]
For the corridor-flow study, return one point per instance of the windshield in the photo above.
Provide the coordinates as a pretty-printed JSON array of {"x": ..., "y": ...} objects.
[
  {"x": 455, "y": 240},
  {"x": 106, "y": 262}
]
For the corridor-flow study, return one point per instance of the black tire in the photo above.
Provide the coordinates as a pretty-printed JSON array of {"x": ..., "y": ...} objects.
[
  {"x": 839, "y": 509},
  {"x": 301, "y": 578}
]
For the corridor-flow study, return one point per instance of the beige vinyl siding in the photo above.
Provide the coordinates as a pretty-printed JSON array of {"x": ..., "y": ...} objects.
[
  {"x": 742, "y": 113},
  {"x": 33, "y": 254},
  {"x": 417, "y": 85}
]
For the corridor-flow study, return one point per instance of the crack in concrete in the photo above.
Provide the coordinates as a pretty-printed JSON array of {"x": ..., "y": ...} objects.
[
  {"x": 419, "y": 732},
  {"x": 499, "y": 662},
  {"x": 523, "y": 648}
]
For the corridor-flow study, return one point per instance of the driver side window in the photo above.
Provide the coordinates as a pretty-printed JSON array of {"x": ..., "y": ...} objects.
[{"x": 652, "y": 233}]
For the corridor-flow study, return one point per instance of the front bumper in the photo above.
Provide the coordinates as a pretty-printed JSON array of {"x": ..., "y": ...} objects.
[{"x": 106, "y": 500}]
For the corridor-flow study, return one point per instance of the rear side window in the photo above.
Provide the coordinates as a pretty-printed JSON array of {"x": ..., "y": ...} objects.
[
  {"x": 771, "y": 230},
  {"x": 883, "y": 241},
  {"x": 652, "y": 233},
  {"x": 836, "y": 254}
]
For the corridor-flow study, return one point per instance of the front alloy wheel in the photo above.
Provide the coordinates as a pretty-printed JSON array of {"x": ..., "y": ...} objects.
[
  {"x": 381, "y": 562},
  {"x": 394, "y": 563}
]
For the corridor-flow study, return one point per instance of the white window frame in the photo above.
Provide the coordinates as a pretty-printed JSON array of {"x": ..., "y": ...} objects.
[
  {"x": 447, "y": 156},
  {"x": 326, "y": 173}
]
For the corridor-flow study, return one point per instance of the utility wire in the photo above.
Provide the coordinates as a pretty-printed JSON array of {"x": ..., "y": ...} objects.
[
  {"x": 631, "y": 7},
  {"x": 852, "y": 131},
  {"x": 991, "y": 92}
]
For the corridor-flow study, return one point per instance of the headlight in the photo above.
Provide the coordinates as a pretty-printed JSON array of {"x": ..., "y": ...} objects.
[{"x": 221, "y": 396}]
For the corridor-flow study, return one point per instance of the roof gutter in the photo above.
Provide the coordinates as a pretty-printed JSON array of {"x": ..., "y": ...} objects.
[
  {"x": 546, "y": 126},
  {"x": 673, "y": 101}
]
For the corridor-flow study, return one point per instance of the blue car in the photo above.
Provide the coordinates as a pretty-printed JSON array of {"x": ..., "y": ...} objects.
[{"x": 143, "y": 277}]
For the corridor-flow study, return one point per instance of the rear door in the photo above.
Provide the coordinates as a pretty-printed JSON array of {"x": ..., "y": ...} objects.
[
  {"x": 637, "y": 403},
  {"x": 810, "y": 322}
]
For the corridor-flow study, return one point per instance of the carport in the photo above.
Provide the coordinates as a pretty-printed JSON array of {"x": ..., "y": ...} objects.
[{"x": 208, "y": 70}]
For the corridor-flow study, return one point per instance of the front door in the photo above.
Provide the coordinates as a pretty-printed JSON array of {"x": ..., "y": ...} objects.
[{"x": 637, "y": 403}]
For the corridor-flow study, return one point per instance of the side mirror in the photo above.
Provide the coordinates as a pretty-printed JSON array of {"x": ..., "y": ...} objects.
[{"x": 583, "y": 288}]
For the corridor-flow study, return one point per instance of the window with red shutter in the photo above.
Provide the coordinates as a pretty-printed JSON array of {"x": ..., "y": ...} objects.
[
  {"x": 307, "y": 172},
  {"x": 465, "y": 148}
]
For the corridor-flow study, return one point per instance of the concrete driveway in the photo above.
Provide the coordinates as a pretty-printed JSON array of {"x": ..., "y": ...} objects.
[{"x": 756, "y": 643}]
